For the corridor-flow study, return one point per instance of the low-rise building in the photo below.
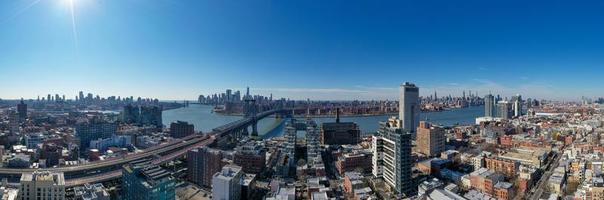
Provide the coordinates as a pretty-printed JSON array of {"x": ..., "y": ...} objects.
[
  {"x": 440, "y": 194},
  {"x": 8, "y": 193},
  {"x": 428, "y": 186},
  {"x": 353, "y": 181},
  {"x": 507, "y": 167},
  {"x": 251, "y": 157},
  {"x": 504, "y": 191},
  {"x": 535, "y": 157},
  {"x": 357, "y": 160},
  {"x": 484, "y": 180},
  {"x": 527, "y": 176},
  {"x": 556, "y": 180},
  {"x": 91, "y": 192},
  {"x": 339, "y": 133}
]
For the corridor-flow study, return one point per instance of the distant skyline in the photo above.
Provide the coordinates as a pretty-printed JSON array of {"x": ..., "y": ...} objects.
[{"x": 322, "y": 50}]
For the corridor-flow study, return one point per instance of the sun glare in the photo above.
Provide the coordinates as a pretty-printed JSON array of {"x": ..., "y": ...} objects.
[{"x": 71, "y": 5}]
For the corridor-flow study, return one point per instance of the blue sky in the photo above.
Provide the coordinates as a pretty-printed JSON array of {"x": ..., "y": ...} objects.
[{"x": 317, "y": 49}]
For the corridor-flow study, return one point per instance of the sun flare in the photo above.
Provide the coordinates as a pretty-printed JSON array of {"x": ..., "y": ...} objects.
[{"x": 71, "y": 6}]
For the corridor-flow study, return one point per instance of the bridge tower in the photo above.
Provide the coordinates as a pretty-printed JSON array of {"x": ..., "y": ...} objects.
[
  {"x": 250, "y": 111},
  {"x": 243, "y": 132}
]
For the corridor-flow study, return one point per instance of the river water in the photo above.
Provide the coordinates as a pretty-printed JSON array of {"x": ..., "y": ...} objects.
[{"x": 205, "y": 120}]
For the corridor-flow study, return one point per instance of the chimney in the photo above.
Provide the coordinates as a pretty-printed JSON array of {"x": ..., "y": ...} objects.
[{"x": 337, "y": 115}]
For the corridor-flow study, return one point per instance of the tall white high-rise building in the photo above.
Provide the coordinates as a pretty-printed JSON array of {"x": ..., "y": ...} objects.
[
  {"x": 517, "y": 105},
  {"x": 42, "y": 185},
  {"x": 226, "y": 184},
  {"x": 392, "y": 156},
  {"x": 409, "y": 107}
]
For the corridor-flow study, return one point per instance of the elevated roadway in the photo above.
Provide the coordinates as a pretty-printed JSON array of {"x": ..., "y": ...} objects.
[{"x": 111, "y": 168}]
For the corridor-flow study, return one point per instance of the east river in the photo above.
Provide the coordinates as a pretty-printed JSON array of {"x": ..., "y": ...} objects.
[{"x": 205, "y": 120}]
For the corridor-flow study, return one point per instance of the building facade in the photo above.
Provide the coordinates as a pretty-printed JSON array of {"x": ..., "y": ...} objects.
[
  {"x": 151, "y": 115},
  {"x": 409, "y": 107},
  {"x": 507, "y": 167},
  {"x": 131, "y": 114},
  {"x": 340, "y": 133},
  {"x": 91, "y": 192},
  {"x": 202, "y": 164},
  {"x": 430, "y": 140},
  {"x": 489, "y": 106},
  {"x": 354, "y": 161},
  {"x": 22, "y": 111},
  {"x": 180, "y": 129},
  {"x": 42, "y": 185},
  {"x": 251, "y": 157},
  {"x": 145, "y": 181},
  {"x": 392, "y": 156},
  {"x": 226, "y": 184},
  {"x": 94, "y": 130},
  {"x": 504, "y": 109}
]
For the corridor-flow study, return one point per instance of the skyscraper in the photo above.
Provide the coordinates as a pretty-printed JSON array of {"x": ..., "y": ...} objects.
[
  {"x": 81, "y": 96},
  {"x": 22, "y": 110},
  {"x": 409, "y": 107},
  {"x": 151, "y": 115},
  {"x": 229, "y": 95},
  {"x": 392, "y": 156},
  {"x": 529, "y": 103},
  {"x": 131, "y": 114},
  {"x": 504, "y": 109},
  {"x": 489, "y": 106},
  {"x": 517, "y": 105},
  {"x": 237, "y": 96},
  {"x": 247, "y": 92}
]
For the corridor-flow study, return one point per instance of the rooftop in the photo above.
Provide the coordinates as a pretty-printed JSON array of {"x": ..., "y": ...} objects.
[
  {"x": 440, "y": 194},
  {"x": 56, "y": 178},
  {"x": 503, "y": 185},
  {"x": 228, "y": 172}
]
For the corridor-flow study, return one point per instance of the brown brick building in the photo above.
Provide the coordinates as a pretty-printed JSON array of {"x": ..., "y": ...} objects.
[
  {"x": 202, "y": 164},
  {"x": 507, "y": 167},
  {"x": 430, "y": 140},
  {"x": 352, "y": 161}
]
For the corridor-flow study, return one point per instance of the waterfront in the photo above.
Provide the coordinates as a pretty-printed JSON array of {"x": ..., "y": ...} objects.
[{"x": 205, "y": 120}]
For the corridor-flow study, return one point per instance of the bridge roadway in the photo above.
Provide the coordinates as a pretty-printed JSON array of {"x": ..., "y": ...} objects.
[
  {"x": 173, "y": 149},
  {"x": 117, "y": 173}
]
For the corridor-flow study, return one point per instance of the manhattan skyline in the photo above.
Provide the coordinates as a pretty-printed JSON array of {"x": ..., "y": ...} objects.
[{"x": 339, "y": 50}]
